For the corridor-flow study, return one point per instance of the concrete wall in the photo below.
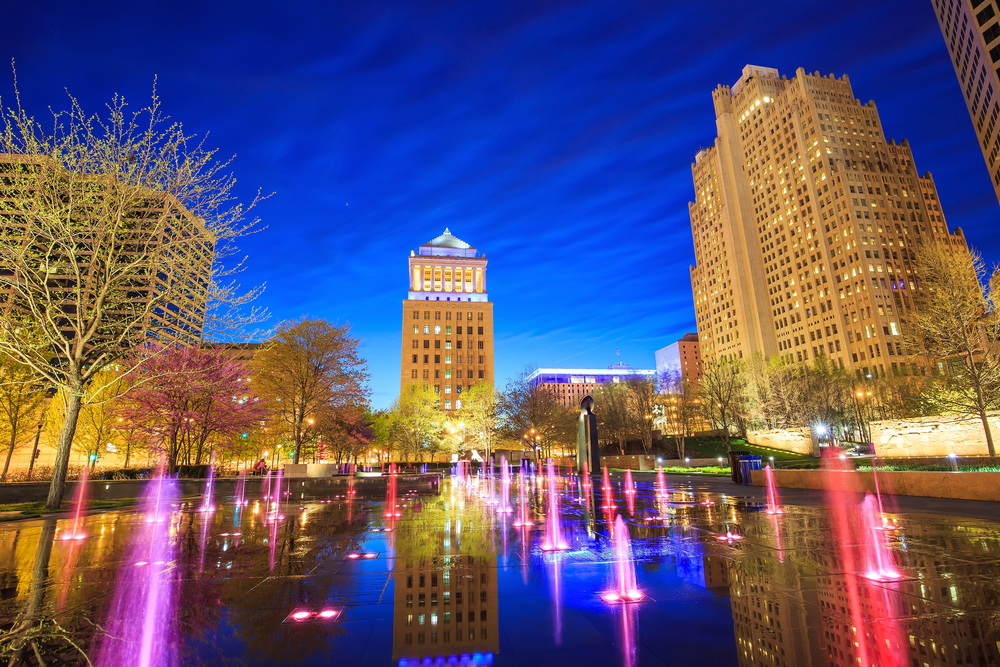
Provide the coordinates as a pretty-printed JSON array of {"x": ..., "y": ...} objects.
[
  {"x": 933, "y": 436},
  {"x": 798, "y": 440},
  {"x": 960, "y": 485}
]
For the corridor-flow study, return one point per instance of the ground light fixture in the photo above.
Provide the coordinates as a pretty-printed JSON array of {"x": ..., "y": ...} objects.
[{"x": 322, "y": 615}]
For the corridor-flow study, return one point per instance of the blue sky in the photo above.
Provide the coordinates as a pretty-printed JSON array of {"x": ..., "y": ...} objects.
[{"x": 556, "y": 137}]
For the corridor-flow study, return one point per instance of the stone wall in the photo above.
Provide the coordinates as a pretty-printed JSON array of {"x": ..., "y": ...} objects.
[
  {"x": 933, "y": 436},
  {"x": 798, "y": 440},
  {"x": 958, "y": 485}
]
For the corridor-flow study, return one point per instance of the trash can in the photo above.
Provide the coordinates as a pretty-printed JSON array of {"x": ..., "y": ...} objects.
[
  {"x": 734, "y": 466},
  {"x": 749, "y": 463}
]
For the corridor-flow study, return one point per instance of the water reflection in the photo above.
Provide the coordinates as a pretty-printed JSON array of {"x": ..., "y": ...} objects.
[{"x": 449, "y": 577}]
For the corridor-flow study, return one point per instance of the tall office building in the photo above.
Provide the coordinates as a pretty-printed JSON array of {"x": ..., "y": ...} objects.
[
  {"x": 805, "y": 225},
  {"x": 160, "y": 255},
  {"x": 447, "y": 320},
  {"x": 972, "y": 32}
]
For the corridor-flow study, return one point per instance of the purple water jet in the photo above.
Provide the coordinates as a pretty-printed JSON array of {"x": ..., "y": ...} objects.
[
  {"x": 625, "y": 587},
  {"x": 206, "y": 502},
  {"x": 554, "y": 540},
  {"x": 141, "y": 625}
]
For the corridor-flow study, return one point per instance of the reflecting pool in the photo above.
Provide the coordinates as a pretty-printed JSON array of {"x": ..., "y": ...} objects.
[{"x": 420, "y": 575}]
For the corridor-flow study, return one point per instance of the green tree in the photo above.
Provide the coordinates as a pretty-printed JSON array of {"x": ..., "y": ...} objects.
[
  {"x": 416, "y": 423},
  {"x": 308, "y": 368},
  {"x": 22, "y": 399},
  {"x": 481, "y": 415}
]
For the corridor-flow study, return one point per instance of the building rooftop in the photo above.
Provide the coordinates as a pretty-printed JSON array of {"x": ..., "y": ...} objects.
[{"x": 448, "y": 245}]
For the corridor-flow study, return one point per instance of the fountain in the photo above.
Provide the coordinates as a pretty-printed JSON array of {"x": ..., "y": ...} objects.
[
  {"x": 206, "y": 501},
  {"x": 625, "y": 587},
  {"x": 76, "y": 532},
  {"x": 523, "y": 520},
  {"x": 878, "y": 562},
  {"x": 504, "y": 487},
  {"x": 554, "y": 540},
  {"x": 773, "y": 503},
  {"x": 629, "y": 491},
  {"x": 141, "y": 627},
  {"x": 266, "y": 489}
]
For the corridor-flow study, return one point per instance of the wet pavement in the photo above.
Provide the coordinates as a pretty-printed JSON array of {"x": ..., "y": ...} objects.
[{"x": 451, "y": 580}]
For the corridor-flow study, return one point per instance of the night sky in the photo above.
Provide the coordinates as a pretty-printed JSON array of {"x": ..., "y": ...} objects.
[{"x": 556, "y": 137}]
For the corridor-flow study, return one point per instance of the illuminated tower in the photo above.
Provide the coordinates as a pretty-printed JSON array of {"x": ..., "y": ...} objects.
[
  {"x": 806, "y": 222},
  {"x": 447, "y": 320}
]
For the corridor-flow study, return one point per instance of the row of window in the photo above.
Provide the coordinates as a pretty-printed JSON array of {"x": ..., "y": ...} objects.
[
  {"x": 447, "y": 330},
  {"x": 447, "y": 345},
  {"x": 447, "y": 359},
  {"x": 447, "y": 375},
  {"x": 408, "y": 639},
  {"x": 447, "y": 315},
  {"x": 422, "y": 619}
]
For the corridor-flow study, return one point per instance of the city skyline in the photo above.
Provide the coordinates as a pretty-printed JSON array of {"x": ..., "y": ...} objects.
[{"x": 559, "y": 138}]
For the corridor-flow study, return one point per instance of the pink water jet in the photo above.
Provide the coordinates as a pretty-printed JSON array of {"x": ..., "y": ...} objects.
[
  {"x": 76, "y": 531},
  {"x": 504, "y": 506},
  {"x": 554, "y": 540},
  {"x": 629, "y": 491},
  {"x": 141, "y": 626},
  {"x": 625, "y": 588},
  {"x": 877, "y": 559},
  {"x": 773, "y": 502},
  {"x": 609, "y": 500}
]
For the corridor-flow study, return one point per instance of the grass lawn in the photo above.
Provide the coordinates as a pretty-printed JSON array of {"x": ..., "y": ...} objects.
[
  {"x": 717, "y": 448},
  {"x": 15, "y": 511},
  {"x": 712, "y": 471}
]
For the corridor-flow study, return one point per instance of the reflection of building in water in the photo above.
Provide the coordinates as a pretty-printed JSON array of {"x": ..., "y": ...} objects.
[
  {"x": 445, "y": 604},
  {"x": 785, "y": 615}
]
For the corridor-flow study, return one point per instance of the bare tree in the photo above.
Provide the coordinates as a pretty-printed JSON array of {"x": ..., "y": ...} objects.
[
  {"x": 679, "y": 408},
  {"x": 310, "y": 366},
  {"x": 616, "y": 415},
  {"x": 533, "y": 415},
  {"x": 642, "y": 394},
  {"x": 22, "y": 398},
  {"x": 724, "y": 394},
  {"x": 113, "y": 229},
  {"x": 956, "y": 321}
]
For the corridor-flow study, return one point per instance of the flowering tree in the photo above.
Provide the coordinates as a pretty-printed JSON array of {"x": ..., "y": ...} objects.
[{"x": 193, "y": 398}]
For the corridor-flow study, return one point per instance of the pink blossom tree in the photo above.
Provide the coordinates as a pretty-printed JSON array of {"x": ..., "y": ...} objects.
[{"x": 187, "y": 400}]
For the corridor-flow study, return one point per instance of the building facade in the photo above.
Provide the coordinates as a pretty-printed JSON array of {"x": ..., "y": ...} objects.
[
  {"x": 805, "y": 225},
  {"x": 447, "y": 321},
  {"x": 682, "y": 358},
  {"x": 571, "y": 385},
  {"x": 160, "y": 255},
  {"x": 971, "y": 31}
]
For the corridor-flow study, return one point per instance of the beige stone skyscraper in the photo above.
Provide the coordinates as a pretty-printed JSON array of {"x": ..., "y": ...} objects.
[
  {"x": 447, "y": 320},
  {"x": 805, "y": 225},
  {"x": 972, "y": 33}
]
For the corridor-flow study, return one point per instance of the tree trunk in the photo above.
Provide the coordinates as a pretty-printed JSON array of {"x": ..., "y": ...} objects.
[
  {"x": 989, "y": 433},
  {"x": 128, "y": 451},
  {"x": 39, "y": 575},
  {"x": 34, "y": 450},
  {"x": 10, "y": 452},
  {"x": 73, "y": 403}
]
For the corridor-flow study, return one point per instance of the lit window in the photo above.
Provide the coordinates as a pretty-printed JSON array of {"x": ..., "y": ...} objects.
[
  {"x": 447, "y": 389},
  {"x": 447, "y": 358},
  {"x": 437, "y": 329}
]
